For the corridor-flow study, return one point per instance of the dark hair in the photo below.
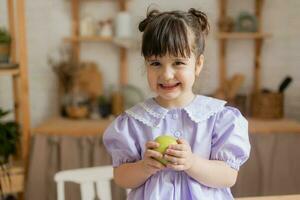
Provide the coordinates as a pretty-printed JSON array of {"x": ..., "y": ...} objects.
[{"x": 167, "y": 32}]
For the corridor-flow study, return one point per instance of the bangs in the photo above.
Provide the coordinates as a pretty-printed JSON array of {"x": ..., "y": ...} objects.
[{"x": 166, "y": 35}]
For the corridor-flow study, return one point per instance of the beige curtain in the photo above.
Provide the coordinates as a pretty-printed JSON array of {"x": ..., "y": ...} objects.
[
  {"x": 273, "y": 167},
  {"x": 50, "y": 154}
]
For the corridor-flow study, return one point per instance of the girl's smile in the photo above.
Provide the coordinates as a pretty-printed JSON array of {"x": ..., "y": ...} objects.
[{"x": 168, "y": 87}]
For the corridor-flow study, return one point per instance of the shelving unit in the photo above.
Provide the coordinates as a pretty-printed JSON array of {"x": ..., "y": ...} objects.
[
  {"x": 258, "y": 38},
  {"x": 18, "y": 72},
  {"x": 237, "y": 35},
  {"x": 76, "y": 39},
  {"x": 89, "y": 39},
  {"x": 63, "y": 126}
]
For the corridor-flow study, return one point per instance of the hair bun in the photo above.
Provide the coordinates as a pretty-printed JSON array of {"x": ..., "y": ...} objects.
[
  {"x": 202, "y": 19},
  {"x": 150, "y": 15}
]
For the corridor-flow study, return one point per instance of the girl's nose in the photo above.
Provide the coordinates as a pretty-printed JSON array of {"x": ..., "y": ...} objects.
[{"x": 168, "y": 73}]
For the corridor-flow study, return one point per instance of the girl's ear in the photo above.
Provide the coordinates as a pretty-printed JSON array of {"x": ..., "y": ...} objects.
[{"x": 199, "y": 65}]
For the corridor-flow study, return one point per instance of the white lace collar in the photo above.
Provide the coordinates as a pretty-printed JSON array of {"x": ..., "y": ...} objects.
[{"x": 151, "y": 113}]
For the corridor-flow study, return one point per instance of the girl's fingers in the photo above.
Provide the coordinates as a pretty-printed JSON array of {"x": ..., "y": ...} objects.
[
  {"x": 182, "y": 145},
  {"x": 179, "y": 147},
  {"x": 182, "y": 141},
  {"x": 176, "y": 153},
  {"x": 174, "y": 160},
  {"x": 153, "y": 154},
  {"x": 151, "y": 144},
  {"x": 156, "y": 164}
]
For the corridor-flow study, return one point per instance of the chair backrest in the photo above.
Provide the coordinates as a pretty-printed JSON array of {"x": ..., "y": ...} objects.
[{"x": 94, "y": 182}]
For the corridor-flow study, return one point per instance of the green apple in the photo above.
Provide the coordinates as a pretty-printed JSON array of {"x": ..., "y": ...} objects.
[{"x": 164, "y": 142}]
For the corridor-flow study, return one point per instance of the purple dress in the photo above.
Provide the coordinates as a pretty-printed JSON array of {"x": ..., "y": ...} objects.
[{"x": 214, "y": 131}]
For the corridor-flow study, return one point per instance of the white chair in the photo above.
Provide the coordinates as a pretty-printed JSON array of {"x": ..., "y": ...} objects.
[{"x": 94, "y": 182}]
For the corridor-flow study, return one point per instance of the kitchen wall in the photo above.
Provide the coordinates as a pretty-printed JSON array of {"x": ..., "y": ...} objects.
[{"x": 49, "y": 21}]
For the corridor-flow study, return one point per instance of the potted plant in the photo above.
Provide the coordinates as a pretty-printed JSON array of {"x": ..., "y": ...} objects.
[
  {"x": 9, "y": 140},
  {"x": 5, "y": 40}
]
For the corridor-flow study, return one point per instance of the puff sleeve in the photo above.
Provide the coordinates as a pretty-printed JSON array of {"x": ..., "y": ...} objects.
[
  {"x": 120, "y": 142},
  {"x": 230, "y": 140}
]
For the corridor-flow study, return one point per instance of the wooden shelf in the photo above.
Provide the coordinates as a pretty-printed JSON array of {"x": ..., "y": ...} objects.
[
  {"x": 9, "y": 69},
  {"x": 238, "y": 35},
  {"x": 263, "y": 126},
  {"x": 125, "y": 43},
  {"x": 4, "y": 72},
  {"x": 89, "y": 39},
  {"x": 72, "y": 127}
]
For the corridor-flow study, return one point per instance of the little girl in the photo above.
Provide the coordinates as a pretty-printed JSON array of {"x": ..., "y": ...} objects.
[{"x": 212, "y": 138}]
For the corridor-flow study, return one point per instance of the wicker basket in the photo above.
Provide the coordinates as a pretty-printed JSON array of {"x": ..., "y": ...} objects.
[
  {"x": 239, "y": 102},
  {"x": 267, "y": 105}
]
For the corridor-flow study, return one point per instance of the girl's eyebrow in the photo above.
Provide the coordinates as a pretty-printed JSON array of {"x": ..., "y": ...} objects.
[
  {"x": 151, "y": 59},
  {"x": 181, "y": 59}
]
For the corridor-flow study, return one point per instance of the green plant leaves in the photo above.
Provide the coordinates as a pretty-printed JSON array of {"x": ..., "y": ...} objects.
[
  {"x": 4, "y": 36},
  {"x": 9, "y": 137}
]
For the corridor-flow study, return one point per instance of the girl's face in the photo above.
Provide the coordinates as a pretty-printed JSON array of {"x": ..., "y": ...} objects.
[{"x": 172, "y": 78}]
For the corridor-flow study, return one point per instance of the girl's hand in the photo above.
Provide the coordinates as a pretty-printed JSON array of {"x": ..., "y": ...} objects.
[
  {"x": 151, "y": 165},
  {"x": 179, "y": 155}
]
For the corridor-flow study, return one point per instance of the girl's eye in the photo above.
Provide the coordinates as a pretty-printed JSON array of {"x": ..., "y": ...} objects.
[
  {"x": 155, "y": 64},
  {"x": 178, "y": 63}
]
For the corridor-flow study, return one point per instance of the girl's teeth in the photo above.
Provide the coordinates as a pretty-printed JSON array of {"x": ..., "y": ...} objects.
[{"x": 169, "y": 86}]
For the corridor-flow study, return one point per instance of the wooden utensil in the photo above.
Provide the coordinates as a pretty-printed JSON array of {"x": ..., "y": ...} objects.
[
  {"x": 235, "y": 84},
  {"x": 284, "y": 84}
]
